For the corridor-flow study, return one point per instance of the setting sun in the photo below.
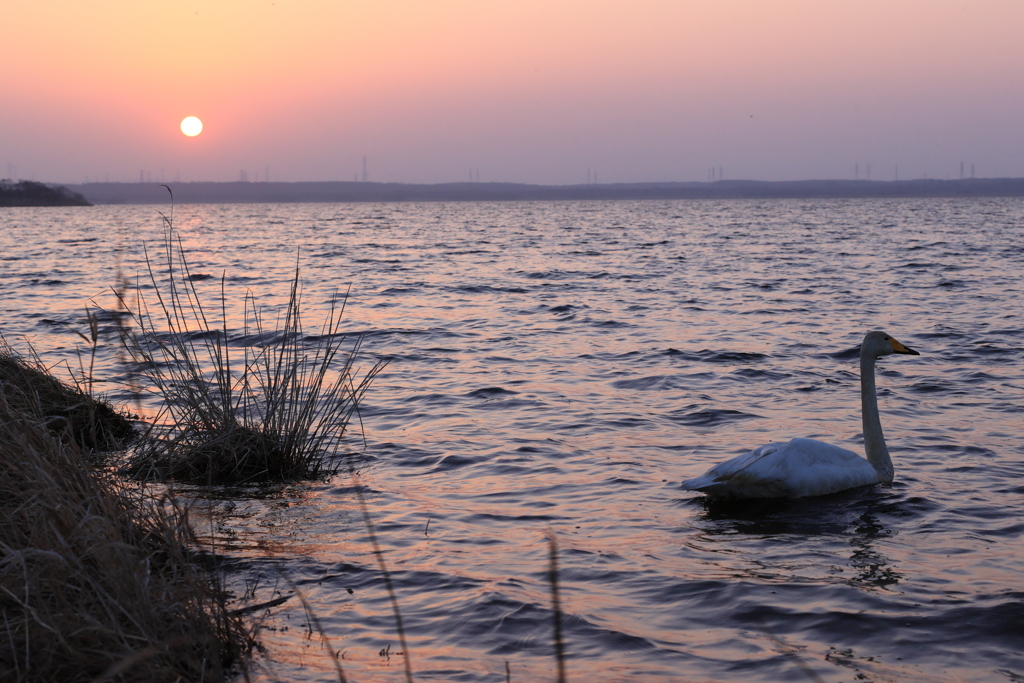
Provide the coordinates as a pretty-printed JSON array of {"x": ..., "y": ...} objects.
[{"x": 191, "y": 126}]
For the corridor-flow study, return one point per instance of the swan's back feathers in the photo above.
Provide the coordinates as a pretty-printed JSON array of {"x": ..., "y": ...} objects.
[{"x": 791, "y": 469}]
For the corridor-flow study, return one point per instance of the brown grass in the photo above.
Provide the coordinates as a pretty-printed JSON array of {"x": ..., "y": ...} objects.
[
  {"x": 29, "y": 387},
  {"x": 96, "y": 579}
]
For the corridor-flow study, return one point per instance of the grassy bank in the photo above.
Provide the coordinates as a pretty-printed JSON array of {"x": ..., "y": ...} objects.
[
  {"x": 97, "y": 579},
  {"x": 30, "y": 389}
]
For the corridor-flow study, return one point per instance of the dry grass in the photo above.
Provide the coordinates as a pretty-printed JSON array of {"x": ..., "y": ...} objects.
[
  {"x": 276, "y": 409},
  {"x": 96, "y": 579},
  {"x": 30, "y": 388}
]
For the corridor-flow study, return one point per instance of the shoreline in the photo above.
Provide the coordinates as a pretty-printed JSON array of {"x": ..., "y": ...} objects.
[{"x": 355, "y": 192}]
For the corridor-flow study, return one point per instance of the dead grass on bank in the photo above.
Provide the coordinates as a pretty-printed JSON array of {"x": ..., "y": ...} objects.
[
  {"x": 30, "y": 388},
  {"x": 275, "y": 409},
  {"x": 96, "y": 579}
]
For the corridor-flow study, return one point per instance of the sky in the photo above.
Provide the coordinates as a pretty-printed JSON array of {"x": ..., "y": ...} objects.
[{"x": 536, "y": 91}]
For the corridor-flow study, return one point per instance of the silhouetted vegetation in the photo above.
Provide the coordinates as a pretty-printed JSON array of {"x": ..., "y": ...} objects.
[
  {"x": 97, "y": 580},
  {"x": 31, "y": 193},
  {"x": 277, "y": 409},
  {"x": 66, "y": 411}
]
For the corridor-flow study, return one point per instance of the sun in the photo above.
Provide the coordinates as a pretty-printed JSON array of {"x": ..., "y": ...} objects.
[{"x": 191, "y": 126}]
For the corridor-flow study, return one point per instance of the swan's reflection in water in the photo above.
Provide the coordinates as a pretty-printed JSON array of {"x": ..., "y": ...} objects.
[
  {"x": 808, "y": 572},
  {"x": 874, "y": 568},
  {"x": 847, "y": 525}
]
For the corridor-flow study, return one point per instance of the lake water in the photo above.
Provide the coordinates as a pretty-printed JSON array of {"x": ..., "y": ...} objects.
[{"x": 561, "y": 367}]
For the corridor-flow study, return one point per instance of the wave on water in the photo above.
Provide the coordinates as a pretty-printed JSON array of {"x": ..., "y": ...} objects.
[{"x": 561, "y": 367}]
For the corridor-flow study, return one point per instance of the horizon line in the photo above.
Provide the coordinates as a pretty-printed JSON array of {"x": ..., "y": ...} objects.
[{"x": 471, "y": 183}]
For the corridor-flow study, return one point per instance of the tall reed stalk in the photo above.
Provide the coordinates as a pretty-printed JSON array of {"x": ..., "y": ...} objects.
[{"x": 278, "y": 408}]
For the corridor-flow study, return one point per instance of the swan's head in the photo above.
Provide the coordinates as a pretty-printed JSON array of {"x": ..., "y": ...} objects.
[{"x": 877, "y": 343}]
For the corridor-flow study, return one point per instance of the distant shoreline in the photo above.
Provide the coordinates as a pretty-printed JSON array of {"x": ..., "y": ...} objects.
[
  {"x": 349, "y": 191},
  {"x": 32, "y": 193}
]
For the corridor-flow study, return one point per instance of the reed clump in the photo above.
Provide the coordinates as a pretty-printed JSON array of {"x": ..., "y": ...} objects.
[
  {"x": 96, "y": 579},
  {"x": 275, "y": 406},
  {"x": 29, "y": 387}
]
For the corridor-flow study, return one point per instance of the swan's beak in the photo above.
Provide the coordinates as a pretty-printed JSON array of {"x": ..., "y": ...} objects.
[{"x": 897, "y": 347}]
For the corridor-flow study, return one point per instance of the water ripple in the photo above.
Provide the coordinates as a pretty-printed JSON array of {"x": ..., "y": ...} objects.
[{"x": 562, "y": 366}]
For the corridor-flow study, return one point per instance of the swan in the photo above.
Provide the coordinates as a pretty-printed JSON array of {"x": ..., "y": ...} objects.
[{"x": 807, "y": 467}]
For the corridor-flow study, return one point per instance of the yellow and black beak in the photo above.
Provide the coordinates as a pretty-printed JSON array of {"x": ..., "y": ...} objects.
[{"x": 897, "y": 347}]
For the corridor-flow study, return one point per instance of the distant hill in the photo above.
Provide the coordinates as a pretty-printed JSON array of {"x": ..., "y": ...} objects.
[
  {"x": 31, "y": 193},
  {"x": 348, "y": 191}
]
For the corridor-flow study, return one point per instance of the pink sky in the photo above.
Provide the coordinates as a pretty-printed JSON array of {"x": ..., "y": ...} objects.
[{"x": 522, "y": 91}]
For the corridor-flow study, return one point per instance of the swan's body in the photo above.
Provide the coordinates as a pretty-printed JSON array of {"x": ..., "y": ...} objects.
[{"x": 806, "y": 467}]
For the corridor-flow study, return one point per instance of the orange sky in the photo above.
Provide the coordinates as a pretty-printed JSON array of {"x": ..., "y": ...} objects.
[{"x": 519, "y": 90}]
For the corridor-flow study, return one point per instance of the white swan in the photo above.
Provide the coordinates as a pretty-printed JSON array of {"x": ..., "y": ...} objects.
[{"x": 806, "y": 467}]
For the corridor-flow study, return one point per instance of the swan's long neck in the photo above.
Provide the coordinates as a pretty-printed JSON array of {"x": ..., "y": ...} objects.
[{"x": 874, "y": 441}]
